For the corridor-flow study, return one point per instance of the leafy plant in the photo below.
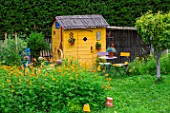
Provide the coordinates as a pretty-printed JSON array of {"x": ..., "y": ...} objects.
[
  {"x": 65, "y": 88},
  {"x": 37, "y": 44},
  {"x": 98, "y": 45},
  {"x": 71, "y": 40},
  {"x": 10, "y": 53}
]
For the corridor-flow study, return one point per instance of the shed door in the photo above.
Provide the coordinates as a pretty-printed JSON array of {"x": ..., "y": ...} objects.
[{"x": 85, "y": 46}]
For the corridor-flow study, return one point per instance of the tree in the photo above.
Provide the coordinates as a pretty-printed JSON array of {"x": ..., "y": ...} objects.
[{"x": 155, "y": 29}]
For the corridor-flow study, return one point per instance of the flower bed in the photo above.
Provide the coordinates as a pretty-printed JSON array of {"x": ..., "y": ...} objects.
[{"x": 64, "y": 88}]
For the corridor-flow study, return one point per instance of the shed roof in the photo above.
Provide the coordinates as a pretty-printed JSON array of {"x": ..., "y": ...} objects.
[{"x": 82, "y": 21}]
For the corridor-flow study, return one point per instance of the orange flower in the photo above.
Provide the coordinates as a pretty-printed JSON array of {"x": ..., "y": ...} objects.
[
  {"x": 42, "y": 87},
  {"x": 98, "y": 68},
  {"x": 106, "y": 75}
]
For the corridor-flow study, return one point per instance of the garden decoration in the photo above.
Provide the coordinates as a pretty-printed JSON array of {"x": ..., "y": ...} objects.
[
  {"x": 26, "y": 60},
  {"x": 109, "y": 102},
  {"x": 98, "y": 46},
  {"x": 86, "y": 108},
  {"x": 111, "y": 50},
  {"x": 71, "y": 40},
  {"x": 59, "y": 62}
]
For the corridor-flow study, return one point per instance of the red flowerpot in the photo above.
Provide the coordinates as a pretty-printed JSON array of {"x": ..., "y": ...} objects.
[
  {"x": 109, "y": 102},
  {"x": 99, "y": 48},
  {"x": 111, "y": 54}
]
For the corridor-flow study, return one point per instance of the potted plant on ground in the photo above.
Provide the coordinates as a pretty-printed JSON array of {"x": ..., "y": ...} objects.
[
  {"x": 111, "y": 50},
  {"x": 98, "y": 46},
  {"x": 71, "y": 40}
]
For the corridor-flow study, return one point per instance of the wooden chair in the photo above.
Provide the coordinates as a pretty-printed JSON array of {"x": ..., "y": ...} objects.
[{"x": 122, "y": 67}]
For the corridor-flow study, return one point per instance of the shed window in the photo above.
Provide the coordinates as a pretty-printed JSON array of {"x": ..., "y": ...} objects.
[
  {"x": 53, "y": 32},
  {"x": 98, "y": 35},
  {"x": 84, "y": 38}
]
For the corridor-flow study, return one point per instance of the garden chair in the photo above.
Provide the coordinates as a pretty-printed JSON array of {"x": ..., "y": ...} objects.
[
  {"x": 104, "y": 62},
  {"x": 122, "y": 67}
]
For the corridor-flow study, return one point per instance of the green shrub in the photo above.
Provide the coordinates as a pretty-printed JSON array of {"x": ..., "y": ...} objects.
[
  {"x": 9, "y": 53},
  {"x": 148, "y": 65},
  {"x": 37, "y": 44},
  {"x": 63, "y": 88}
]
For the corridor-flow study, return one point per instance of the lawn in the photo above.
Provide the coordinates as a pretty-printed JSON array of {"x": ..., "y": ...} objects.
[{"x": 140, "y": 94}]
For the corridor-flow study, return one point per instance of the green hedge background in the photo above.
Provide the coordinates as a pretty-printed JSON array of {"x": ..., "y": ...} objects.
[{"x": 37, "y": 15}]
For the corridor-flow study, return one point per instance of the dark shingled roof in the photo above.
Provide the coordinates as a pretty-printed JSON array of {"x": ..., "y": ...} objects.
[{"x": 82, "y": 21}]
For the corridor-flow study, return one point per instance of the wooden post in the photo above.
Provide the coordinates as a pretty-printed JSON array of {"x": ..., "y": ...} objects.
[
  {"x": 5, "y": 41},
  {"x": 16, "y": 42}
]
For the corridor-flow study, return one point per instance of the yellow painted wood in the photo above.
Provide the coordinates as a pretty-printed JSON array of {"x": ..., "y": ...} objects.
[{"x": 127, "y": 54}]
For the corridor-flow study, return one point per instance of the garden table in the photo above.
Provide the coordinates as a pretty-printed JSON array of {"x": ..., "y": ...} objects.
[{"x": 108, "y": 63}]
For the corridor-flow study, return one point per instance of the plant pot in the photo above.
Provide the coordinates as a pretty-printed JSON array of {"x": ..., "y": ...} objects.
[
  {"x": 99, "y": 48},
  {"x": 111, "y": 54},
  {"x": 71, "y": 43}
]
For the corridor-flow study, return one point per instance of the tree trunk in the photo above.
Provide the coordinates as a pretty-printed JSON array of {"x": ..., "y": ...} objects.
[{"x": 158, "y": 73}]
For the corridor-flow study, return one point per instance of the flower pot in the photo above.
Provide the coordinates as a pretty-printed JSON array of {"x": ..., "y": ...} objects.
[
  {"x": 109, "y": 102},
  {"x": 99, "y": 48},
  {"x": 86, "y": 108},
  {"x": 111, "y": 54},
  {"x": 71, "y": 43}
]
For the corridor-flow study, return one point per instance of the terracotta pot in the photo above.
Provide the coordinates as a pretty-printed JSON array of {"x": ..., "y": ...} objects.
[
  {"x": 109, "y": 102},
  {"x": 111, "y": 54},
  {"x": 71, "y": 43},
  {"x": 99, "y": 48}
]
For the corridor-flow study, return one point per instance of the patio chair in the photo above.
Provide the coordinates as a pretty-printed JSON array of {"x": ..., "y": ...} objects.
[
  {"x": 104, "y": 63},
  {"x": 122, "y": 67}
]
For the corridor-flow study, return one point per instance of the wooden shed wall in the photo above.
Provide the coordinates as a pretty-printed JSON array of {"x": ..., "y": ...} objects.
[
  {"x": 56, "y": 39},
  {"x": 127, "y": 40},
  {"x": 84, "y": 51}
]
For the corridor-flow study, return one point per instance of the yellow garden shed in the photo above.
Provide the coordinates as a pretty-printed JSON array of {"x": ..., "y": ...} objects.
[{"x": 87, "y": 30}]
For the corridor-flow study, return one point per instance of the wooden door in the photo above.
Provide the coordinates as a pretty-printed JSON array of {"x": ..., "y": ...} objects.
[{"x": 85, "y": 46}]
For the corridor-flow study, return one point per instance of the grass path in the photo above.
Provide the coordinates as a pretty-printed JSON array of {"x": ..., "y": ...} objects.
[{"x": 140, "y": 94}]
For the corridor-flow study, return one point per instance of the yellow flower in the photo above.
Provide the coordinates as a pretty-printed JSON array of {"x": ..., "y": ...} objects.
[
  {"x": 53, "y": 79},
  {"x": 8, "y": 80},
  {"x": 13, "y": 90},
  {"x": 44, "y": 90},
  {"x": 30, "y": 83},
  {"x": 42, "y": 87},
  {"x": 12, "y": 86},
  {"x": 71, "y": 78},
  {"x": 106, "y": 75},
  {"x": 98, "y": 68},
  {"x": 110, "y": 79}
]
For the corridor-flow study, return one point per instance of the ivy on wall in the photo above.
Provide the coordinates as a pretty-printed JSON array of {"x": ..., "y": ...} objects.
[{"x": 36, "y": 15}]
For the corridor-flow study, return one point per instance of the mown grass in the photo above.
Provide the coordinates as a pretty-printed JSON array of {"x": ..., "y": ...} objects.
[{"x": 139, "y": 94}]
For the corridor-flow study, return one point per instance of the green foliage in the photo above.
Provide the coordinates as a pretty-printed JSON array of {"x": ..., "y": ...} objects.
[
  {"x": 36, "y": 43},
  {"x": 10, "y": 54},
  {"x": 64, "y": 89},
  {"x": 155, "y": 29},
  {"x": 37, "y": 15},
  {"x": 147, "y": 65}
]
